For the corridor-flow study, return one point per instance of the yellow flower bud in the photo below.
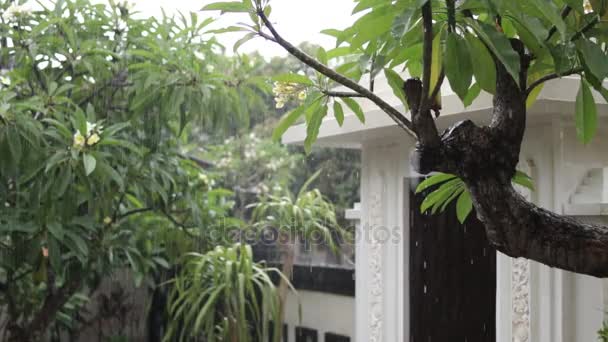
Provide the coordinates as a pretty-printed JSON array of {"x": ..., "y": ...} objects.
[
  {"x": 93, "y": 139},
  {"x": 107, "y": 220},
  {"x": 79, "y": 140}
]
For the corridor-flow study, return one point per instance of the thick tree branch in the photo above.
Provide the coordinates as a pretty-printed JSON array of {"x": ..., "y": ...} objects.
[
  {"x": 342, "y": 94},
  {"x": 397, "y": 116},
  {"x": 521, "y": 229},
  {"x": 52, "y": 304},
  {"x": 551, "y": 77},
  {"x": 427, "y": 54},
  {"x": 418, "y": 94}
]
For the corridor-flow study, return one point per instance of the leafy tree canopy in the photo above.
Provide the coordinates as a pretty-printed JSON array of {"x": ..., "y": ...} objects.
[{"x": 505, "y": 48}]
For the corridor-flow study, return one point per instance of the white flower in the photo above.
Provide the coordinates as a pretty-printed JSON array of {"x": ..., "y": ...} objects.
[
  {"x": 280, "y": 104},
  {"x": 6, "y": 204},
  {"x": 302, "y": 95},
  {"x": 14, "y": 12},
  {"x": 90, "y": 127},
  {"x": 107, "y": 220},
  {"x": 5, "y": 80},
  {"x": 79, "y": 140}
]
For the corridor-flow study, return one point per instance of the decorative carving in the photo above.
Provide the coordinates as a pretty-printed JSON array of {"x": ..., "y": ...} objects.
[
  {"x": 520, "y": 277},
  {"x": 520, "y": 297},
  {"x": 375, "y": 262}
]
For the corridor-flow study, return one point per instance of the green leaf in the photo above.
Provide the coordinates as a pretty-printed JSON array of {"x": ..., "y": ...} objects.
[
  {"x": 499, "y": 45},
  {"x": 287, "y": 121},
  {"x": 586, "y": 114},
  {"x": 472, "y": 94},
  {"x": 594, "y": 57},
  {"x": 434, "y": 180},
  {"x": 226, "y": 7},
  {"x": 14, "y": 143},
  {"x": 523, "y": 179},
  {"x": 437, "y": 59},
  {"x": 338, "y": 113},
  {"x": 355, "y": 107},
  {"x": 245, "y": 39},
  {"x": 577, "y": 5},
  {"x": 458, "y": 67},
  {"x": 80, "y": 121},
  {"x": 551, "y": 13},
  {"x": 89, "y": 163},
  {"x": 322, "y": 55},
  {"x": 56, "y": 230},
  {"x": 482, "y": 62},
  {"x": 228, "y": 29},
  {"x": 293, "y": 78},
  {"x": 396, "y": 83},
  {"x": 464, "y": 206},
  {"x": 313, "y": 126}
]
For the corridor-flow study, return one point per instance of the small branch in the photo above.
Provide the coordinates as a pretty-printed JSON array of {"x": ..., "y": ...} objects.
[
  {"x": 135, "y": 211},
  {"x": 551, "y": 77},
  {"x": 341, "y": 94},
  {"x": 204, "y": 164},
  {"x": 451, "y": 6},
  {"x": 427, "y": 54},
  {"x": 567, "y": 9},
  {"x": 397, "y": 116},
  {"x": 586, "y": 28}
]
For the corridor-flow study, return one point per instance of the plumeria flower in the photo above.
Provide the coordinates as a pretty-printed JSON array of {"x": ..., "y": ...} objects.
[
  {"x": 5, "y": 80},
  {"x": 15, "y": 11},
  {"x": 92, "y": 136},
  {"x": 93, "y": 139},
  {"x": 79, "y": 140},
  {"x": 285, "y": 92}
]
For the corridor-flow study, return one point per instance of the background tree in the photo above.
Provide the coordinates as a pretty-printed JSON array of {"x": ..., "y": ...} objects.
[
  {"x": 510, "y": 48},
  {"x": 95, "y": 109}
]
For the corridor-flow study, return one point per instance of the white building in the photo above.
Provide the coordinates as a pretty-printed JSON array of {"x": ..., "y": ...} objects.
[{"x": 533, "y": 302}]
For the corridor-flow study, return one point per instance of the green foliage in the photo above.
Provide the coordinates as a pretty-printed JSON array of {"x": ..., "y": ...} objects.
[
  {"x": 225, "y": 280},
  {"x": 443, "y": 188},
  {"x": 95, "y": 109},
  {"x": 388, "y": 35},
  {"x": 306, "y": 214},
  {"x": 603, "y": 333}
]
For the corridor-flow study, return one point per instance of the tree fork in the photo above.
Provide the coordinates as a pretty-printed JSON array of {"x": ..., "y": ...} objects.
[{"x": 486, "y": 158}]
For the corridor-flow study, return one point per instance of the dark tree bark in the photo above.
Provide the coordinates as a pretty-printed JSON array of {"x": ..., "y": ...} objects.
[{"x": 486, "y": 159}]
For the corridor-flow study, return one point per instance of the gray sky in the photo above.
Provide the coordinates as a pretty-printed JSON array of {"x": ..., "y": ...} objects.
[{"x": 296, "y": 20}]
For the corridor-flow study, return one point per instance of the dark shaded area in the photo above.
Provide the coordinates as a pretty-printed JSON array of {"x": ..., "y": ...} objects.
[
  {"x": 306, "y": 335},
  {"x": 452, "y": 276},
  {"x": 339, "y": 281},
  {"x": 329, "y": 337}
]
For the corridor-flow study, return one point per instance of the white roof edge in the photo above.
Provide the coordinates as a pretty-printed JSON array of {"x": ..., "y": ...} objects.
[{"x": 353, "y": 132}]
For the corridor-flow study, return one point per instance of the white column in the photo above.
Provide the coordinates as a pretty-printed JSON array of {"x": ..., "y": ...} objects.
[{"x": 382, "y": 247}]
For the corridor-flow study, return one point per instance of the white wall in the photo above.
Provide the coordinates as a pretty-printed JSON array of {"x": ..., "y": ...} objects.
[
  {"x": 323, "y": 312},
  {"x": 563, "y": 306}
]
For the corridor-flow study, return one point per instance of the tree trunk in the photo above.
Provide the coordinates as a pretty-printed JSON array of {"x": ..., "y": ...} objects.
[{"x": 485, "y": 158}]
